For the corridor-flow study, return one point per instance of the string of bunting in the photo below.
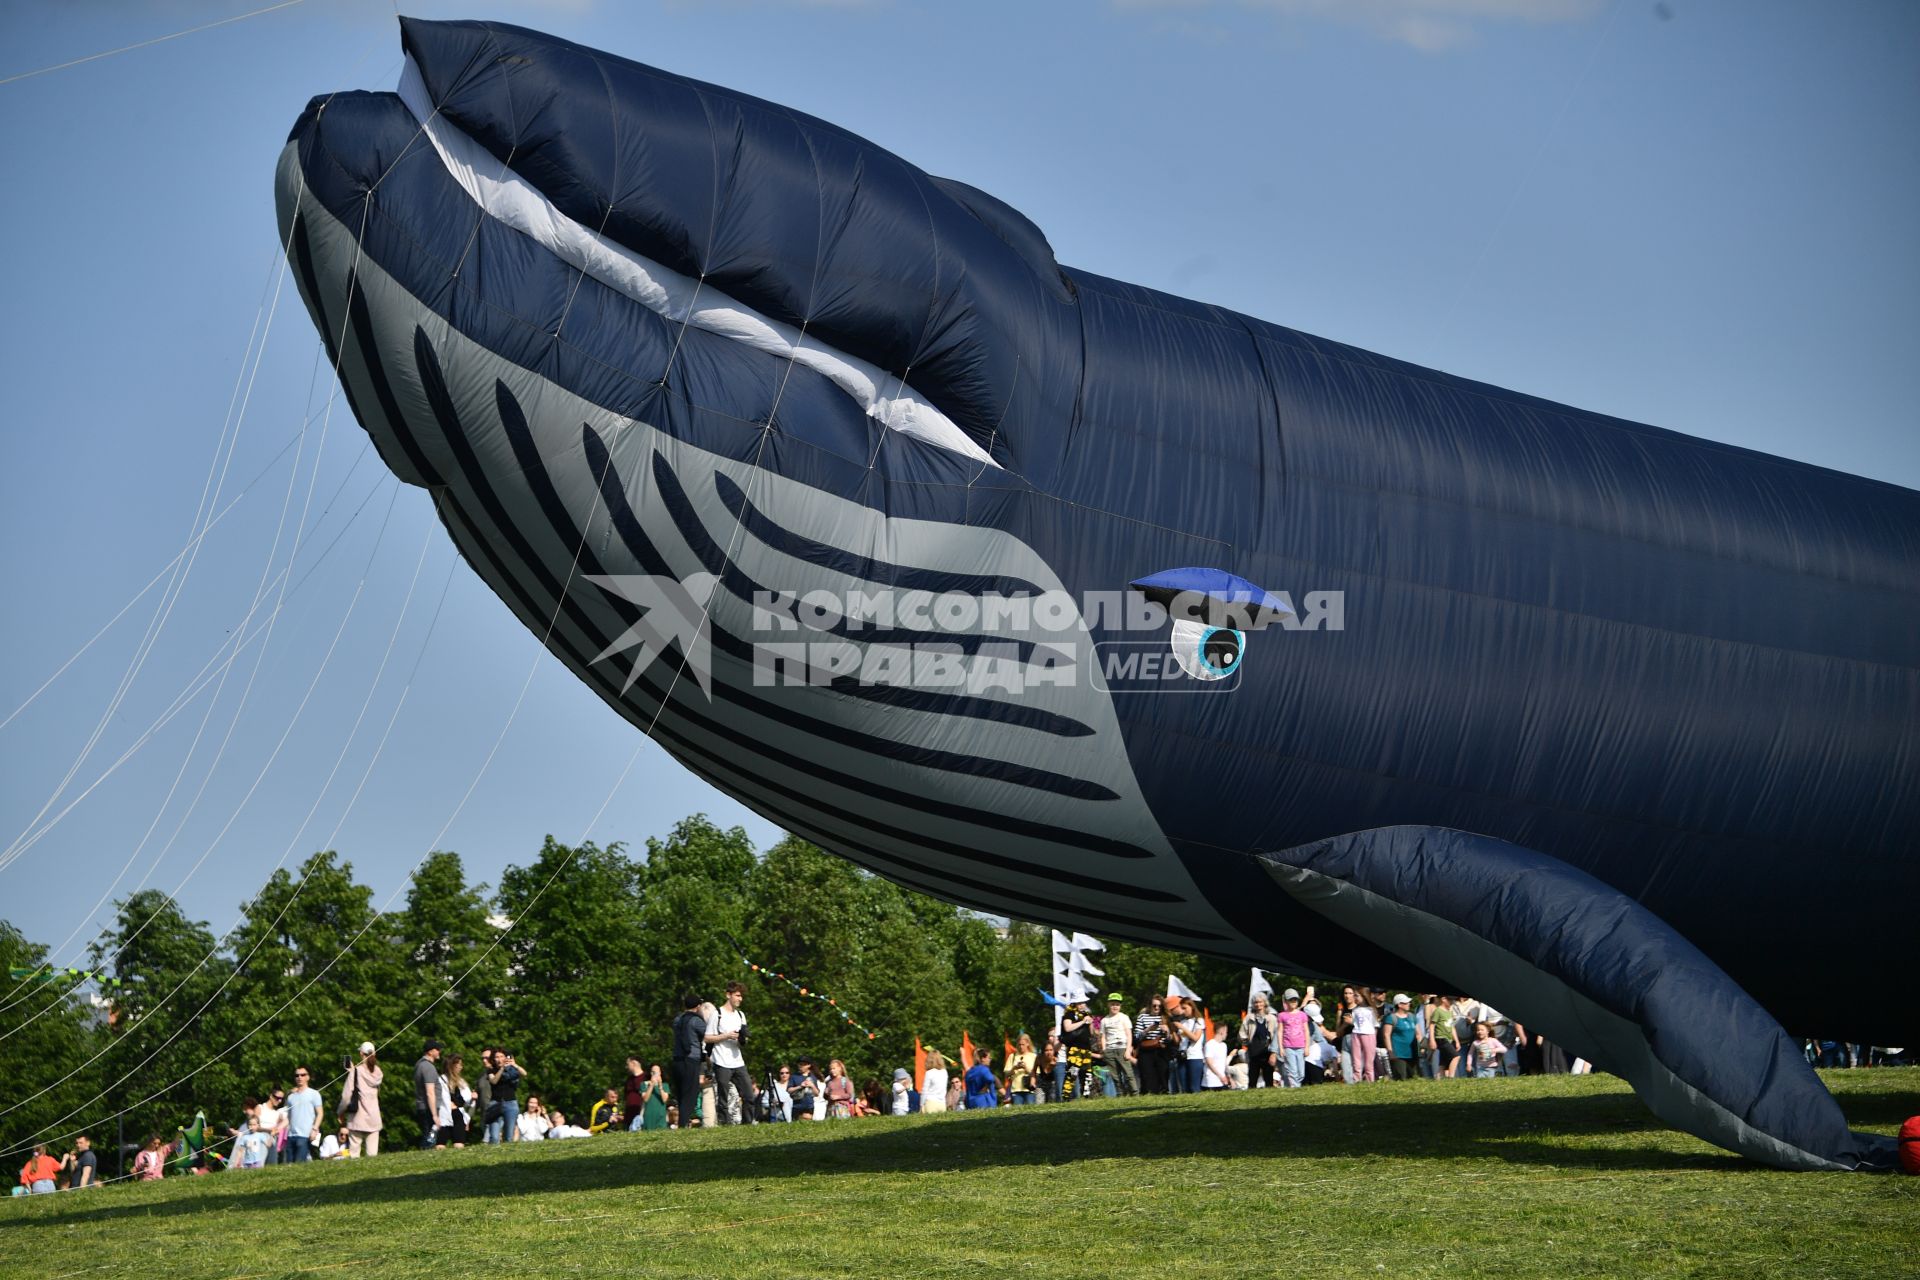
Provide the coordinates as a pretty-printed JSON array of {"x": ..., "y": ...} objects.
[{"x": 768, "y": 971}]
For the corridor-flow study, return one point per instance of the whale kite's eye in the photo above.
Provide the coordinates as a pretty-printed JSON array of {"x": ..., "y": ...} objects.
[{"x": 1204, "y": 652}]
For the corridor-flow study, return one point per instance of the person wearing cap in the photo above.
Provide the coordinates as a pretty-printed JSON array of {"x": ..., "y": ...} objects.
[
  {"x": 1076, "y": 1033},
  {"x": 1116, "y": 1038},
  {"x": 1403, "y": 1039},
  {"x": 427, "y": 1090},
  {"x": 360, "y": 1103},
  {"x": 1260, "y": 1038},
  {"x": 902, "y": 1102},
  {"x": 1294, "y": 1031}
]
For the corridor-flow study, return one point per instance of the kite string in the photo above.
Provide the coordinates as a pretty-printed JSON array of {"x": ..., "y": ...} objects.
[
  {"x": 229, "y": 440},
  {"x": 552, "y": 621},
  {"x": 145, "y": 44}
]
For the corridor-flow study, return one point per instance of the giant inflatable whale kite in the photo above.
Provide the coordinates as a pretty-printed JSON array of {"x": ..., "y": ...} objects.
[{"x": 1072, "y": 600}]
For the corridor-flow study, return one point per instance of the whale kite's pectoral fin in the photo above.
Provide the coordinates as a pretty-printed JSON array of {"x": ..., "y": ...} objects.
[
  {"x": 1595, "y": 972},
  {"x": 1214, "y": 598}
]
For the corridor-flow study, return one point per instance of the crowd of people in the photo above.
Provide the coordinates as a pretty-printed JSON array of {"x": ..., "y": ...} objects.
[{"x": 1167, "y": 1045}]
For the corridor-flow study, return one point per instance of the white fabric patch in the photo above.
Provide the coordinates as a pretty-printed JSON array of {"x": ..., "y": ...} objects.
[{"x": 505, "y": 195}]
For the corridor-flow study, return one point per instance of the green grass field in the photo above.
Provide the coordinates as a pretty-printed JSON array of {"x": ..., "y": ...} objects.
[{"x": 1546, "y": 1176}]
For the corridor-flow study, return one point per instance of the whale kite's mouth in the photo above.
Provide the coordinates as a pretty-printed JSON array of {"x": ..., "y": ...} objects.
[{"x": 509, "y": 197}]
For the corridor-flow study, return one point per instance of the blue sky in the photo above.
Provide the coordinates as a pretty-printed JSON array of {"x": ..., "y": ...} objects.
[{"x": 1697, "y": 214}]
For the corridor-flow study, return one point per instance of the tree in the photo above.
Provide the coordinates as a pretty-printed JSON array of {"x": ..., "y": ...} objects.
[
  {"x": 48, "y": 1030},
  {"x": 577, "y": 1001},
  {"x": 882, "y": 954},
  {"x": 170, "y": 971},
  {"x": 456, "y": 971},
  {"x": 318, "y": 970}
]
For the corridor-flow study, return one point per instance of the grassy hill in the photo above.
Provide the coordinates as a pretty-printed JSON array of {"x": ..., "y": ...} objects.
[{"x": 1558, "y": 1176}]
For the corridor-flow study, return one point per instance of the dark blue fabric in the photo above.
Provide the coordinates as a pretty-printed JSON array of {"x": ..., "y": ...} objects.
[
  {"x": 1602, "y": 944},
  {"x": 1689, "y": 670}
]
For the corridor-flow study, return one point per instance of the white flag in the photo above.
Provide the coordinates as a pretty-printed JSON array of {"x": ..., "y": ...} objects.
[
  {"x": 1259, "y": 987},
  {"x": 1061, "y": 943},
  {"x": 1087, "y": 942},
  {"x": 1081, "y": 965},
  {"x": 1175, "y": 987}
]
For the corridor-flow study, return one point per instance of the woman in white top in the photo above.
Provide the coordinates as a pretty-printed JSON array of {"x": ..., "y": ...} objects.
[
  {"x": 1366, "y": 1037},
  {"x": 533, "y": 1122},
  {"x": 1190, "y": 1034},
  {"x": 1214, "y": 1055},
  {"x": 933, "y": 1086}
]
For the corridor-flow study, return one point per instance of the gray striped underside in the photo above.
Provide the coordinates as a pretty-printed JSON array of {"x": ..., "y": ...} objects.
[{"x": 850, "y": 773}]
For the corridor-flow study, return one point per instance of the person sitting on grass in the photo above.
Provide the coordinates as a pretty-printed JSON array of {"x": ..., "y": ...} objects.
[
  {"x": 558, "y": 1127},
  {"x": 983, "y": 1090},
  {"x": 534, "y": 1122},
  {"x": 605, "y": 1114}
]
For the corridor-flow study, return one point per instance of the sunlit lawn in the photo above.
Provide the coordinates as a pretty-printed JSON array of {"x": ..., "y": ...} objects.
[{"x": 1545, "y": 1176}]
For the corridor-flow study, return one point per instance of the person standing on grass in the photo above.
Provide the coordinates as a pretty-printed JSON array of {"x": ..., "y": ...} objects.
[
  {"x": 1403, "y": 1039},
  {"x": 805, "y": 1089},
  {"x": 1294, "y": 1033},
  {"x": 1366, "y": 1037},
  {"x": 427, "y": 1091},
  {"x": 1260, "y": 1034},
  {"x": 483, "y": 1111},
  {"x": 506, "y": 1077},
  {"x": 839, "y": 1091},
  {"x": 38, "y": 1173},
  {"x": 726, "y": 1036},
  {"x": 689, "y": 1047},
  {"x": 1050, "y": 1064},
  {"x": 1442, "y": 1047},
  {"x": 456, "y": 1113},
  {"x": 1150, "y": 1047},
  {"x": 1116, "y": 1033},
  {"x": 1213, "y": 1060},
  {"x": 632, "y": 1092},
  {"x": 360, "y": 1103},
  {"x": 1022, "y": 1072},
  {"x": 1485, "y": 1052},
  {"x": 304, "y": 1106},
  {"x": 654, "y": 1098},
  {"x": 269, "y": 1120},
  {"x": 983, "y": 1090},
  {"x": 1076, "y": 1034},
  {"x": 1190, "y": 1034},
  {"x": 933, "y": 1085},
  {"x": 81, "y": 1165}
]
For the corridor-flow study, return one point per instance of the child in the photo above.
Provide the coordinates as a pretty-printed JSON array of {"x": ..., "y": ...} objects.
[
  {"x": 1485, "y": 1052},
  {"x": 983, "y": 1090},
  {"x": 1293, "y": 1041},
  {"x": 1214, "y": 1056}
]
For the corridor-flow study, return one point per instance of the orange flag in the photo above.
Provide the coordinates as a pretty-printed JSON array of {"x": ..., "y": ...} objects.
[
  {"x": 1208, "y": 1019},
  {"x": 1009, "y": 1047},
  {"x": 919, "y": 1066},
  {"x": 966, "y": 1052}
]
